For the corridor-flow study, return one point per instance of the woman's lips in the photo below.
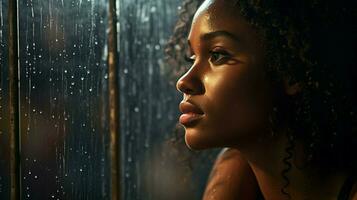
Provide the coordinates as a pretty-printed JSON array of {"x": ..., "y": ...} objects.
[
  {"x": 188, "y": 118},
  {"x": 191, "y": 113}
]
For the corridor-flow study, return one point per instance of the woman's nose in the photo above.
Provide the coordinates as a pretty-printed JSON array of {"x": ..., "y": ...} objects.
[{"x": 190, "y": 83}]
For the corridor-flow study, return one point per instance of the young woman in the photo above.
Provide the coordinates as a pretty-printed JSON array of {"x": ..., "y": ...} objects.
[{"x": 275, "y": 81}]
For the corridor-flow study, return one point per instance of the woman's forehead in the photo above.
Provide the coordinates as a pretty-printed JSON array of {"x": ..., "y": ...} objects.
[
  {"x": 216, "y": 7},
  {"x": 218, "y": 15}
]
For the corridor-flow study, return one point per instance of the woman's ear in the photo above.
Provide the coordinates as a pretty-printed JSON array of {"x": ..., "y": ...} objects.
[{"x": 292, "y": 89}]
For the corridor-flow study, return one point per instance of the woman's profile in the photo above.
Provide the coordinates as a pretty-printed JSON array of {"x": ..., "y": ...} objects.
[{"x": 275, "y": 82}]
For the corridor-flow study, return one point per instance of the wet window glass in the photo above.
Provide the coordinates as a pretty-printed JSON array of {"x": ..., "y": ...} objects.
[
  {"x": 4, "y": 89},
  {"x": 63, "y": 101},
  {"x": 156, "y": 163},
  {"x": 64, "y": 105}
]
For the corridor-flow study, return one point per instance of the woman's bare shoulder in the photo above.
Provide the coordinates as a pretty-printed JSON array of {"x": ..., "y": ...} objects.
[{"x": 231, "y": 178}]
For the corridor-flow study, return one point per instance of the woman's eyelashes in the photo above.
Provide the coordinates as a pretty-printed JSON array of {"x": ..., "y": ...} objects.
[
  {"x": 190, "y": 59},
  {"x": 215, "y": 56},
  {"x": 219, "y": 56}
]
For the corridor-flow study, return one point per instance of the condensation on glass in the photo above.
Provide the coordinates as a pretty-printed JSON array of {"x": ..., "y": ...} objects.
[
  {"x": 4, "y": 90},
  {"x": 63, "y": 108},
  {"x": 156, "y": 165}
]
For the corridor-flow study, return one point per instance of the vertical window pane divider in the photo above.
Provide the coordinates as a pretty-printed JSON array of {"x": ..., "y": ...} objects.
[
  {"x": 114, "y": 103},
  {"x": 14, "y": 103}
]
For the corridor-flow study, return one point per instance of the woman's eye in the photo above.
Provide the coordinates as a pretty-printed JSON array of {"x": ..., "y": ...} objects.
[
  {"x": 218, "y": 56},
  {"x": 190, "y": 59}
]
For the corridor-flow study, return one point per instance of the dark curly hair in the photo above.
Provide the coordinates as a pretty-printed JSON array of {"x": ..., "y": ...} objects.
[{"x": 312, "y": 43}]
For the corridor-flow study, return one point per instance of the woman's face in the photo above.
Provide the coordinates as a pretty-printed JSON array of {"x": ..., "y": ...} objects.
[{"x": 226, "y": 96}]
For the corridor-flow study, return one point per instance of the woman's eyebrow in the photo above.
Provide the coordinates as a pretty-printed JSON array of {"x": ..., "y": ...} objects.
[{"x": 214, "y": 34}]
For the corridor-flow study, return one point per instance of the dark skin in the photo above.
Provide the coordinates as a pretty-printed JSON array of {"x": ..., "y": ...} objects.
[
  {"x": 227, "y": 82},
  {"x": 231, "y": 178}
]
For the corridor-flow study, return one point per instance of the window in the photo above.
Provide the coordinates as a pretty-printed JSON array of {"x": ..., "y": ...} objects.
[{"x": 64, "y": 103}]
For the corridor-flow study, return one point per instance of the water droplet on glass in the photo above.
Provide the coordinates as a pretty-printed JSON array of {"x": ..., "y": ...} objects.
[{"x": 153, "y": 9}]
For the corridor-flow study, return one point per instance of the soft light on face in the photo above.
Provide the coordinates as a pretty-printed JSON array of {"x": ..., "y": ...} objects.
[{"x": 226, "y": 81}]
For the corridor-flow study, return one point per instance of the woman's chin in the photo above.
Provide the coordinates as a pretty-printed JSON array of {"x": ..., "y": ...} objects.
[{"x": 198, "y": 141}]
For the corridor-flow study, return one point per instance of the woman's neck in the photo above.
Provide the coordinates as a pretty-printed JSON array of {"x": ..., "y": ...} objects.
[{"x": 266, "y": 158}]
